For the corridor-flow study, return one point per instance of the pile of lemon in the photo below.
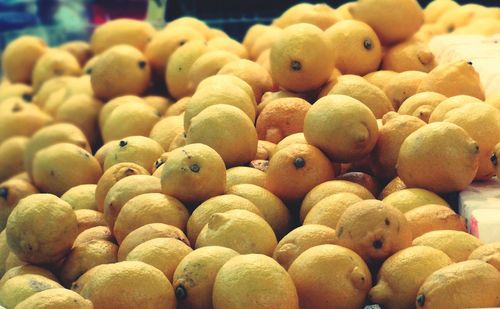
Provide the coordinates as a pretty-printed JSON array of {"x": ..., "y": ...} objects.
[{"x": 305, "y": 167}]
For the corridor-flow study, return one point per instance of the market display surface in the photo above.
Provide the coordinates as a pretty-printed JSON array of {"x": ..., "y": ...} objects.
[{"x": 338, "y": 158}]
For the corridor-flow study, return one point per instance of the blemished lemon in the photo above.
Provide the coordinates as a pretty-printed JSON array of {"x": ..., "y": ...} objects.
[
  {"x": 195, "y": 275},
  {"x": 140, "y": 150},
  {"x": 27, "y": 269},
  {"x": 373, "y": 229},
  {"x": 193, "y": 173},
  {"x": 41, "y": 243},
  {"x": 19, "y": 288}
]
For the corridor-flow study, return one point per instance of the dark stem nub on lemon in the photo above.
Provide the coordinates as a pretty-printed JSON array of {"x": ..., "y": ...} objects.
[
  {"x": 4, "y": 192},
  {"x": 493, "y": 159},
  {"x": 195, "y": 168},
  {"x": 421, "y": 299},
  {"x": 377, "y": 244},
  {"x": 27, "y": 97},
  {"x": 295, "y": 65},
  {"x": 368, "y": 44},
  {"x": 299, "y": 162},
  {"x": 180, "y": 292},
  {"x": 123, "y": 143}
]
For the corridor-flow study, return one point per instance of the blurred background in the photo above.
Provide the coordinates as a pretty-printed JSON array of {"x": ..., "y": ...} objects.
[{"x": 57, "y": 21}]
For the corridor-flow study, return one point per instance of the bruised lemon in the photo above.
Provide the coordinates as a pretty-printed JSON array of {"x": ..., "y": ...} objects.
[{"x": 39, "y": 244}]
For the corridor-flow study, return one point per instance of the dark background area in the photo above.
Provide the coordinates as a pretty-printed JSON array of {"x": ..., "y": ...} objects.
[
  {"x": 235, "y": 17},
  {"x": 57, "y": 21},
  {"x": 210, "y": 9}
]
